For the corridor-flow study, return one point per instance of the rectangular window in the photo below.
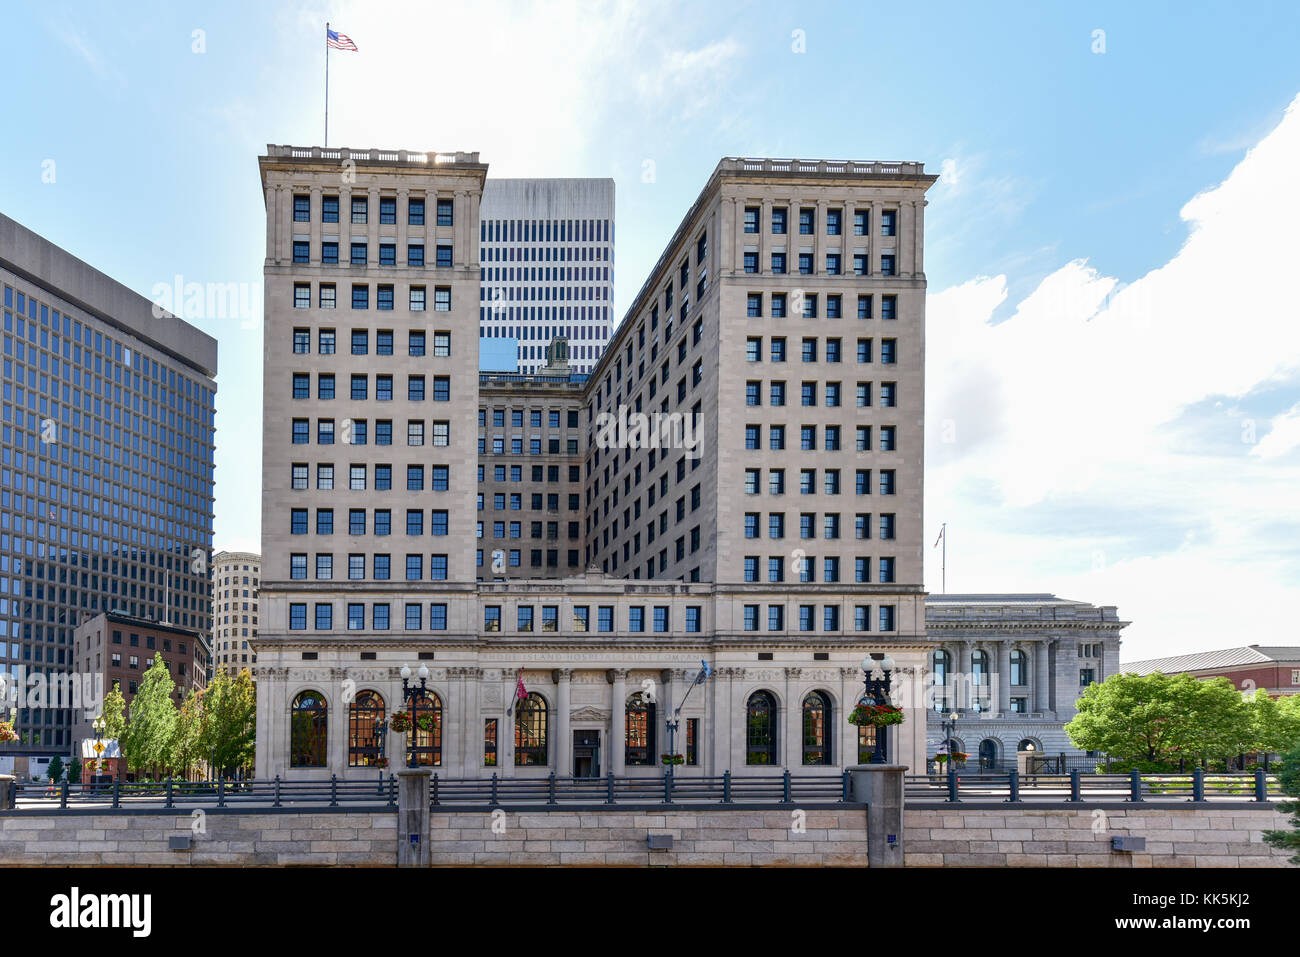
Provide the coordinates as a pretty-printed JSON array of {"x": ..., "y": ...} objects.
[
  {"x": 415, "y": 212},
  {"x": 359, "y": 209},
  {"x": 301, "y": 208}
]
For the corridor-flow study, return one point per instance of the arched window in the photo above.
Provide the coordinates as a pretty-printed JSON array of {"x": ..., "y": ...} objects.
[
  {"x": 365, "y": 740},
  {"x": 308, "y": 730},
  {"x": 760, "y": 724},
  {"x": 1019, "y": 668},
  {"x": 424, "y": 748},
  {"x": 988, "y": 754},
  {"x": 1028, "y": 744},
  {"x": 530, "y": 731},
  {"x": 640, "y": 715},
  {"x": 817, "y": 728}
]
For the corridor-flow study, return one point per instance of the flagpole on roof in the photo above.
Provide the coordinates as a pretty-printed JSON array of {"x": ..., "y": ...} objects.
[{"x": 327, "y": 83}]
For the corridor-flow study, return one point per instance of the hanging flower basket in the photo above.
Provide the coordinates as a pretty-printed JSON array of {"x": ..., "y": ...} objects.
[
  {"x": 958, "y": 757},
  {"x": 381, "y": 762},
  {"x": 400, "y": 722},
  {"x": 426, "y": 722},
  {"x": 875, "y": 715},
  {"x": 672, "y": 759},
  {"x": 7, "y": 732}
]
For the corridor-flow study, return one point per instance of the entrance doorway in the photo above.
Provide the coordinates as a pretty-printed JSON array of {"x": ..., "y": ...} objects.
[
  {"x": 988, "y": 754},
  {"x": 586, "y": 753}
]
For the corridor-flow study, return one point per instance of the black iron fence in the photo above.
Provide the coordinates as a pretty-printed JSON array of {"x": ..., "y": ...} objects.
[
  {"x": 786, "y": 789},
  {"x": 1076, "y": 785}
]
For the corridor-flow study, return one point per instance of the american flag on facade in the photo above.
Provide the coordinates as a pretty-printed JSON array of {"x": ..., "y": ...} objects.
[{"x": 339, "y": 41}]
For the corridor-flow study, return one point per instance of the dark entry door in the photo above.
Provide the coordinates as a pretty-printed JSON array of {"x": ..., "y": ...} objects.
[{"x": 586, "y": 753}]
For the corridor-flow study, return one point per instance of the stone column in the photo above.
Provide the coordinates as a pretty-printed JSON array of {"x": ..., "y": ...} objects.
[
  {"x": 506, "y": 729},
  {"x": 1004, "y": 676},
  {"x": 413, "y": 817},
  {"x": 403, "y": 214},
  {"x": 471, "y": 740},
  {"x": 1041, "y": 677},
  {"x": 617, "y": 722},
  {"x": 663, "y": 713},
  {"x": 791, "y": 723},
  {"x": 880, "y": 787},
  {"x": 372, "y": 227},
  {"x": 563, "y": 737},
  {"x": 766, "y": 239},
  {"x": 315, "y": 227},
  {"x": 963, "y": 690},
  {"x": 345, "y": 233}
]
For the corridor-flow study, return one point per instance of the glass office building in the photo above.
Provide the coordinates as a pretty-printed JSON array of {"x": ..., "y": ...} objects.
[{"x": 106, "y": 463}]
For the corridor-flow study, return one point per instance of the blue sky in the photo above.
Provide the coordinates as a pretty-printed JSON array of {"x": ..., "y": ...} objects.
[{"x": 1093, "y": 204}]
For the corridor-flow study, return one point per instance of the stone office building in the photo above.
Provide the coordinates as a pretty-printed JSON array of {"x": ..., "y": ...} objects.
[
  {"x": 1012, "y": 666},
  {"x": 546, "y": 257},
  {"x": 771, "y": 529},
  {"x": 236, "y": 578}
]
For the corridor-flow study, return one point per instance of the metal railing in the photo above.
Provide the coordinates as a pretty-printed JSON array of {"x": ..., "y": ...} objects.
[
  {"x": 1198, "y": 786},
  {"x": 350, "y": 795},
  {"x": 381, "y": 794},
  {"x": 692, "y": 790},
  {"x": 668, "y": 789}
]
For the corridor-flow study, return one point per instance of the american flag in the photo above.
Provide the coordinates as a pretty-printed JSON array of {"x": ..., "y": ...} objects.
[{"x": 339, "y": 41}]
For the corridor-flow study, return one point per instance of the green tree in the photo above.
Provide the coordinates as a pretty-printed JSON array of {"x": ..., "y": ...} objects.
[
  {"x": 1160, "y": 718},
  {"x": 149, "y": 731},
  {"x": 1289, "y": 777},
  {"x": 1274, "y": 723},
  {"x": 229, "y": 722},
  {"x": 114, "y": 713},
  {"x": 56, "y": 770},
  {"x": 186, "y": 743},
  {"x": 74, "y": 770}
]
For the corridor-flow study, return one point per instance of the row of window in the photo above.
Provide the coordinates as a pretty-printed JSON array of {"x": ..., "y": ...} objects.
[
  {"x": 782, "y": 305},
  {"x": 809, "y": 349},
  {"x": 833, "y": 398},
  {"x": 360, "y": 210},
  {"x": 833, "y": 262},
  {"x": 359, "y": 387},
  {"x": 354, "y": 432},
  {"x": 803, "y": 567},
  {"x": 327, "y": 342},
  {"x": 381, "y": 565},
  {"x": 808, "y": 220},
  {"x": 382, "y": 521},
  {"x": 534, "y": 418},
  {"x": 359, "y": 253},
  {"x": 328, "y": 297},
  {"x": 831, "y": 442}
]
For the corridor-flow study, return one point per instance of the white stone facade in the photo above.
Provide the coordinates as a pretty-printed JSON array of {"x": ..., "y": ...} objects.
[{"x": 1063, "y": 646}]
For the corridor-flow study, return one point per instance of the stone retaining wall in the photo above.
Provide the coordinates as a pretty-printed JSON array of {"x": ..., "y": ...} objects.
[
  {"x": 1081, "y": 837},
  {"x": 1020, "y": 836},
  {"x": 813, "y": 838},
  {"x": 216, "y": 839}
]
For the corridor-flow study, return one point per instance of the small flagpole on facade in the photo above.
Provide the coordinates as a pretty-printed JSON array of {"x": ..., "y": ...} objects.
[
  {"x": 327, "y": 83},
  {"x": 943, "y": 566}
]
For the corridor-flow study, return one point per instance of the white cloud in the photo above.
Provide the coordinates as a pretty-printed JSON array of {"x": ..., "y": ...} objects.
[
  {"x": 1068, "y": 444},
  {"x": 1283, "y": 435}
]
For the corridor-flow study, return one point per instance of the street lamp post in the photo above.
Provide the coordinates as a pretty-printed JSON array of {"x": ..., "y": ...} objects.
[
  {"x": 673, "y": 720},
  {"x": 98, "y": 726},
  {"x": 875, "y": 691},
  {"x": 410, "y": 694},
  {"x": 948, "y": 725}
]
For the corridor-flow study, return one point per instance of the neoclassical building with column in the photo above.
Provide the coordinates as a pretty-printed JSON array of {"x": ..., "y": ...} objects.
[
  {"x": 756, "y": 511},
  {"x": 1012, "y": 666}
]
